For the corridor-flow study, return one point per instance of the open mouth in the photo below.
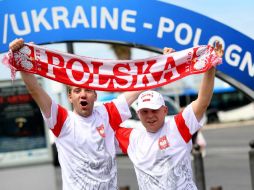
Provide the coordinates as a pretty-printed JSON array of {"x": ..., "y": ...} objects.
[
  {"x": 83, "y": 103},
  {"x": 151, "y": 122}
]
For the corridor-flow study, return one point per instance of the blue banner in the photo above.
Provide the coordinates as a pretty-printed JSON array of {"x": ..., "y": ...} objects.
[{"x": 147, "y": 23}]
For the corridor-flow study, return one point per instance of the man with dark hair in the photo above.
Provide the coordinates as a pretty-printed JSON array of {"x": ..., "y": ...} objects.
[{"x": 84, "y": 139}]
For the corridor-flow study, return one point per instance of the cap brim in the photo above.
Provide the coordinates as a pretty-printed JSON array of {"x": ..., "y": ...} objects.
[{"x": 149, "y": 106}]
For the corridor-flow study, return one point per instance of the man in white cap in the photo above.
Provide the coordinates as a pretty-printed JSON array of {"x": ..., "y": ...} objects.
[{"x": 160, "y": 149}]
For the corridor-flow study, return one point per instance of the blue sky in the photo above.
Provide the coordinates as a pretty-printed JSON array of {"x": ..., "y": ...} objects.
[{"x": 236, "y": 14}]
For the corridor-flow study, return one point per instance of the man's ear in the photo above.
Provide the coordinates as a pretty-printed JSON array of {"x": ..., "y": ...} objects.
[
  {"x": 96, "y": 96},
  {"x": 166, "y": 109},
  {"x": 69, "y": 97},
  {"x": 138, "y": 115}
]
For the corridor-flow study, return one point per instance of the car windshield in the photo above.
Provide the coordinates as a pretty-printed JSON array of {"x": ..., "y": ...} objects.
[{"x": 172, "y": 110}]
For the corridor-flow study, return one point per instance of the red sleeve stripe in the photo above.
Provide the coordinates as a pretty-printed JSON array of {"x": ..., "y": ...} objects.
[
  {"x": 114, "y": 116},
  {"x": 61, "y": 117},
  {"x": 122, "y": 134},
  {"x": 182, "y": 127},
  {"x": 123, "y": 137}
]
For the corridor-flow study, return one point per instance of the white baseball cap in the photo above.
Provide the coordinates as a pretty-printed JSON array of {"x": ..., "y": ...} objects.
[{"x": 150, "y": 99}]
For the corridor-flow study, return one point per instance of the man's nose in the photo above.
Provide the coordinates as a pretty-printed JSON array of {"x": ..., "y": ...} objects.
[
  {"x": 149, "y": 113},
  {"x": 83, "y": 93}
]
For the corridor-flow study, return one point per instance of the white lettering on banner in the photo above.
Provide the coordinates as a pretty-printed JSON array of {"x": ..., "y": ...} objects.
[
  {"x": 50, "y": 72},
  {"x": 127, "y": 19},
  {"x": 165, "y": 25},
  {"x": 123, "y": 68},
  {"x": 57, "y": 61},
  {"x": 79, "y": 17},
  {"x": 60, "y": 14},
  {"x": 232, "y": 58},
  {"x": 197, "y": 37},
  {"x": 27, "y": 27},
  {"x": 99, "y": 74},
  {"x": 117, "y": 19},
  {"x": 113, "y": 75},
  {"x": 144, "y": 72},
  {"x": 106, "y": 17},
  {"x": 96, "y": 82},
  {"x": 61, "y": 18},
  {"x": 96, "y": 74},
  {"x": 181, "y": 27},
  {"x": 247, "y": 60},
  {"x": 94, "y": 17},
  {"x": 171, "y": 67},
  {"x": 81, "y": 67},
  {"x": 5, "y": 32},
  {"x": 40, "y": 19}
]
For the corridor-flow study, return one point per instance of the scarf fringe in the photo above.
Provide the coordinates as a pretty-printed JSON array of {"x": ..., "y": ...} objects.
[{"x": 8, "y": 60}]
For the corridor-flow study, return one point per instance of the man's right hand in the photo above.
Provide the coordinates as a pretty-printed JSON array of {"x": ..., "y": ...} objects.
[
  {"x": 218, "y": 49},
  {"x": 16, "y": 44}
]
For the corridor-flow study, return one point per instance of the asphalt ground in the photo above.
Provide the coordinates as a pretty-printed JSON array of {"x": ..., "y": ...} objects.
[{"x": 229, "y": 124}]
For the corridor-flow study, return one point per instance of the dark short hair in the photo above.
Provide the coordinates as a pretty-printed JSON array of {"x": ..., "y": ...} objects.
[{"x": 69, "y": 87}]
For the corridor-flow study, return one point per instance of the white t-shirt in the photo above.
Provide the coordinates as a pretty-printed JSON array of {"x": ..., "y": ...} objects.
[
  {"x": 86, "y": 146},
  {"x": 162, "y": 159}
]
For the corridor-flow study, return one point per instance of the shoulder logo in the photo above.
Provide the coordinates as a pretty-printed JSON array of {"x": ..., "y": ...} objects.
[
  {"x": 163, "y": 142},
  {"x": 101, "y": 130}
]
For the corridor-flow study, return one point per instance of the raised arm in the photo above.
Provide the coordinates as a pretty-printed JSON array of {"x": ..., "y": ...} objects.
[
  {"x": 39, "y": 95},
  {"x": 205, "y": 94},
  {"x": 206, "y": 88},
  {"x": 131, "y": 96}
]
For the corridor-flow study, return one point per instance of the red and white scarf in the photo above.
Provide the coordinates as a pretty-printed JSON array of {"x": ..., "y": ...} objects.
[{"x": 112, "y": 75}]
